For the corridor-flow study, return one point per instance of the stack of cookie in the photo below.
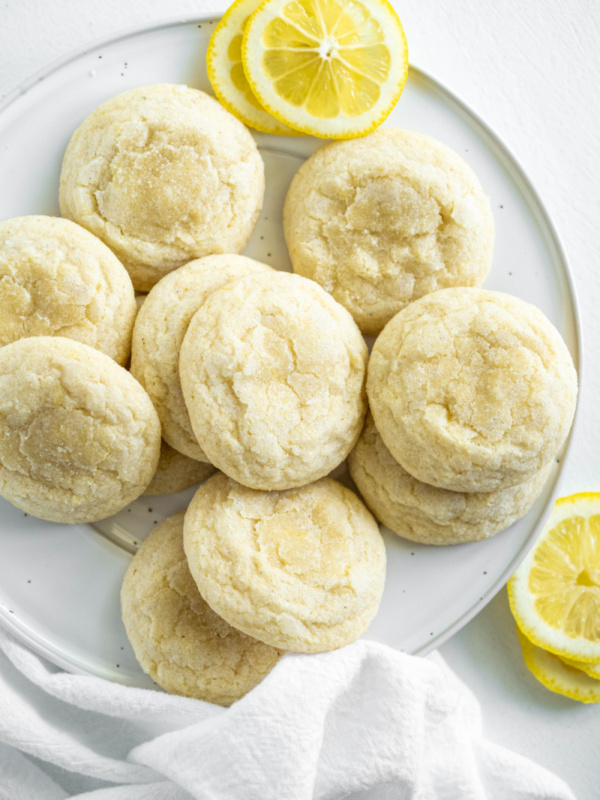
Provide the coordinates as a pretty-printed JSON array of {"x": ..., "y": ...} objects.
[
  {"x": 472, "y": 394},
  {"x": 264, "y": 375}
]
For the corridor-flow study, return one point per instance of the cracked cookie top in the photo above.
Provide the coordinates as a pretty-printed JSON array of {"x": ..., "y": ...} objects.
[
  {"x": 160, "y": 326},
  {"x": 272, "y": 371},
  {"x": 177, "y": 638},
  {"x": 471, "y": 390},
  {"x": 423, "y": 513},
  {"x": 382, "y": 220},
  {"x": 79, "y": 437},
  {"x": 163, "y": 174},
  {"x": 302, "y": 569},
  {"x": 56, "y": 279}
]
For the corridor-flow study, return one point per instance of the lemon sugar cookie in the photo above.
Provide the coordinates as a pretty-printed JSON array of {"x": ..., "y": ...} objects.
[
  {"x": 176, "y": 637},
  {"x": 163, "y": 174},
  {"x": 382, "y": 220},
  {"x": 56, "y": 278},
  {"x": 471, "y": 390},
  {"x": 272, "y": 371},
  {"x": 79, "y": 437},
  {"x": 159, "y": 329},
  {"x": 423, "y": 513},
  {"x": 176, "y": 472},
  {"x": 302, "y": 570}
]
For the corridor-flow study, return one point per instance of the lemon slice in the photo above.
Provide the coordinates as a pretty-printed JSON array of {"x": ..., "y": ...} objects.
[
  {"x": 593, "y": 670},
  {"x": 558, "y": 676},
  {"x": 555, "y": 593},
  {"x": 226, "y": 73},
  {"x": 326, "y": 67}
]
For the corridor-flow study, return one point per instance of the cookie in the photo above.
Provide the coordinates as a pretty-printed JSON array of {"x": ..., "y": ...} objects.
[
  {"x": 79, "y": 437},
  {"x": 176, "y": 637},
  {"x": 176, "y": 472},
  {"x": 159, "y": 330},
  {"x": 272, "y": 371},
  {"x": 472, "y": 390},
  {"x": 423, "y": 513},
  {"x": 301, "y": 570},
  {"x": 382, "y": 220},
  {"x": 163, "y": 174},
  {"x": 58, "y": 279}
]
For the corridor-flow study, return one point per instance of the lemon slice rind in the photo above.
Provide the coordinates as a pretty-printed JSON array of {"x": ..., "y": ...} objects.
[
  {"x": 593, "y": 669},
  {"x": 557, "y": 676},
  {"x": 219, "y": 66},
  {"x": 523, "y": 601},
  {"x": 295, "y": 116}
]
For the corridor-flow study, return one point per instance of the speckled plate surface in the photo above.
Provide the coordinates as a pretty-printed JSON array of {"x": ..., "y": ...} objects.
[{"x": 59, "y": 584}]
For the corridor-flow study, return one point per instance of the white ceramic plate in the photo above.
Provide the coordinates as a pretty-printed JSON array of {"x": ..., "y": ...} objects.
[{"x": 59, "y": 584}]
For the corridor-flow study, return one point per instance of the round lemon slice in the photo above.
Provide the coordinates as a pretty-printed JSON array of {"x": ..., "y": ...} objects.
[
  {"x": 226, "y": 73},
  {"x": 328, "y": 68},
  {"x": 555, "y": 593},
  {"x": 593, "y": 670},
  {"x": 558, "y": 676}
]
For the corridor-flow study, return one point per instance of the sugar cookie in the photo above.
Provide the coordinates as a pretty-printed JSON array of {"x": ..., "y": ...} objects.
[
  {"x": 176, "y": 472},
  {"x": 159, "y": 330},
  {"x": 163, "y": 174},
  {"x": 423, "y": 513},
  {"x": 56, "y": 278},
  {"x": 272, "y": 371},
  {"x": 79, "y": 437},
  {"x": 177, "y": 639},
  {"x": 301, "y": 570},
  {"x": 382, "y": 220},
  {"x": 472, "y": 390}
]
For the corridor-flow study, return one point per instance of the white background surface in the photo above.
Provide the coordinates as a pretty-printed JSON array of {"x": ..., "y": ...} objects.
[{"x": 530, "y": 69}]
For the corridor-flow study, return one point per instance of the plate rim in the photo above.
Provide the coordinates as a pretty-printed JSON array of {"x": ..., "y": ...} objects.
[{"x": 39, "y": 643}]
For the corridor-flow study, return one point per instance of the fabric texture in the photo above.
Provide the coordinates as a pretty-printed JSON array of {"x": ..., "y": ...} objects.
[{"x": 365, "y": 722}]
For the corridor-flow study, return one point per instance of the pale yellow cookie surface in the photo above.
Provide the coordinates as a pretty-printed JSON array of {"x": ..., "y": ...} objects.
[
  {"x": 382, "y": 220},
  {"x": 176, "y": 472},
  {"x": 56, "y": 278},
  {"x": 163, "y": 174},
  {"x": 79, "y": 437},
  {"x": 160, "y": 326},
  {"x": 423, "y": 513},
  {"x": 472, "y": 390},
  {"x": 177, "y": 638},
  {"x": 301, "y": 570},
  {"x": 272, "y": 371}
]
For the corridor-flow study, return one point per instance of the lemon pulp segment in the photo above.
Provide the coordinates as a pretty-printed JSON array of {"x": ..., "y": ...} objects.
[{"x": 565, "y": 577}]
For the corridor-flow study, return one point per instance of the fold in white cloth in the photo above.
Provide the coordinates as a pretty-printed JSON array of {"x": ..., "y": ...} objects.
[{"x": 362, "y": 722}]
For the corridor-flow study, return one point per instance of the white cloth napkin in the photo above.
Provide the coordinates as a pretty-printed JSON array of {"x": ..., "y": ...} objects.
[{"x": 362, "y": 722}]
